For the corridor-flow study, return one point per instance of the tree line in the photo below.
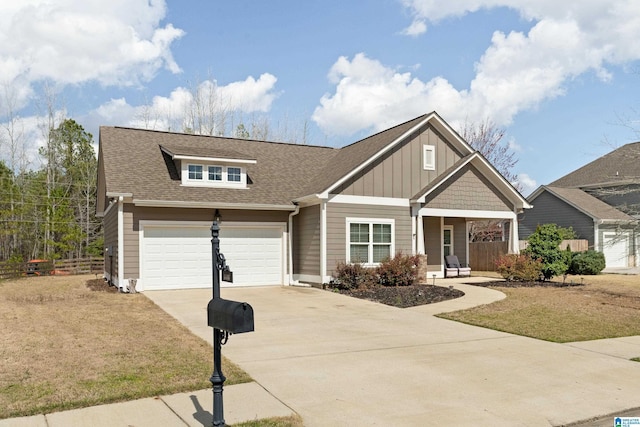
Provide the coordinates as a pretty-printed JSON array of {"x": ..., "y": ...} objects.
[{"x": 49, "y": 213}]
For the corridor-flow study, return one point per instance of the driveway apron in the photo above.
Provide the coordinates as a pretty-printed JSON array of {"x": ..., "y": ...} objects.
[{"x": 342, "y": 361}]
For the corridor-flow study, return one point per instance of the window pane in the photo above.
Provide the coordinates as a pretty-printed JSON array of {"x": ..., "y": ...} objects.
[
  {"x": 359, "y": 233},
  {"x": 447, "y": 250},
  {"x": 447, "y": 237},
  {"x": 381, "y": 233},
  {"x": 359, "y": 253},
  {"x": 215, "y": 173},
  {"x": 233, "y": 174},
  {"x": 195, "y": 171},
  {"x": 380, "y": 252}
]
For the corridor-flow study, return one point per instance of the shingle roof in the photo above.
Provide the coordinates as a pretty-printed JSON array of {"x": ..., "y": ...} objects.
[
  {"x": 139, "y": 162},
  {"x": 134, "y": 163},
  {"x": 588, "y": 204},
  {"x": 620, "y": 166}
]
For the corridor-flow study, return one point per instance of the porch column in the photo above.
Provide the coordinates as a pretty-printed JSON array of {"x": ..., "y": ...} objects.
[
  {"x": 514, "y": 244},
  {"x": 420, "y": 235}
]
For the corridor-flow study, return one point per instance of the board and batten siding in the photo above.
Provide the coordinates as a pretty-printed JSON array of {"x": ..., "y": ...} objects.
[
  {"x": 110, "y": 222},
  {"x": 400, "y": 173},
  {"x": 306, "y": 241},
  {"x": 548, "y": 209},
  {"x": 134, "y": 214},
  {"x": 337, "y": 214},
  {"x": 468, "y": 189}
]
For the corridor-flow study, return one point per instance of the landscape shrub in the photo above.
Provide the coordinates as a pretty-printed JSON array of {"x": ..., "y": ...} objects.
[
  {"x": 543, "y": 245},
  {"x": 401, "y": 270},
  {"x": 589, "y": 262},
  {"x": 352, "y": 276},
  {"x": 519, "y": 267}
]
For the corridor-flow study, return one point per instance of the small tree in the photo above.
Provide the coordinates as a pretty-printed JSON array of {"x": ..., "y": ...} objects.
[{"x": 544, "y": 245}]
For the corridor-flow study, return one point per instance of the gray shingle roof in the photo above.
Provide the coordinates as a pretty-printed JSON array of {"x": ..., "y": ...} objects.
[
  {"x": 139, "y": 162},
  {"x": 618, "y": 167},
  {"x": 588, "y": 204}
]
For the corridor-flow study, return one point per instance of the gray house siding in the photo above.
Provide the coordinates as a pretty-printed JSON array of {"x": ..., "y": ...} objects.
[
  {"x": 110, "y": 221},
  {"x": 133, "y": 215},
  {"x": 306, "y": 241},
  {"x": 433, "y": 243},
  {"x": 337, "y": 214},
  {"x": 400, "y": 174},
  {"x": 468, "y": 189},
  {"x": 459, "y": 237},
  {"x": 548, "y": 209}
]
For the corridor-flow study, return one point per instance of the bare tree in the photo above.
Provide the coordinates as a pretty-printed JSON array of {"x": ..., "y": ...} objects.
[{"x": 488, "y": 139}]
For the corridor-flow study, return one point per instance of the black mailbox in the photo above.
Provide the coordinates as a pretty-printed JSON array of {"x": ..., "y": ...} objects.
[{"x": 231, "y": 316}]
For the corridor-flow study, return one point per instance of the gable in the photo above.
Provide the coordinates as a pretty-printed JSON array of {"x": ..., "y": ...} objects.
[
  {"x": 401, "y": 173},
  {"x": 468, "y": 189}
]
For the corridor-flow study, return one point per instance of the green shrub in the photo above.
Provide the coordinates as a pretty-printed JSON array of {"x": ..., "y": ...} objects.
[
  {"x": 543, "y": 245},
  {"x": 352, "y": 276},
  {"x": 588, "y": 262},
  {"x": 401, "y": 270},
  {"x": 520, "y": 268}
]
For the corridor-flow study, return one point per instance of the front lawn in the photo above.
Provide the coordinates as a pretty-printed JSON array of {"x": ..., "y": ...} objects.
[{"x": 67, "y": 346}]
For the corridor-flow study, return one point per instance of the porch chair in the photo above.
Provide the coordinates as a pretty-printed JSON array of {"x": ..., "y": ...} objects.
[{"x": 453, "y": 268}]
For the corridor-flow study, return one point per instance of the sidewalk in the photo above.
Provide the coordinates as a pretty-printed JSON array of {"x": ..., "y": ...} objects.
[{"x": 192, "y": 409}]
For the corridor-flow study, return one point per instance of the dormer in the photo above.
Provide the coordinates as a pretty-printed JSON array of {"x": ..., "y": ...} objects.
[{"x": 203, "y": 167}]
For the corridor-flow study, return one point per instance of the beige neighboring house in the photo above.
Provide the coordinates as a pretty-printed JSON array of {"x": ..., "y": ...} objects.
[{"x": 289, "y": 212}]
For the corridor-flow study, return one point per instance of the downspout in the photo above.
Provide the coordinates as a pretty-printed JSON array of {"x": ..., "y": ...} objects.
[
  {"x": 323, "y": 240},
  {"x": 290, "y": 239},
  {"x": 121, "y": 243}
]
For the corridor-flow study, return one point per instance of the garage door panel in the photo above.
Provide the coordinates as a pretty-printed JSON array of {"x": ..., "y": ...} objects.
[
  {"x": 180, "y": 256},
  {"x": 616, "y": 249}
]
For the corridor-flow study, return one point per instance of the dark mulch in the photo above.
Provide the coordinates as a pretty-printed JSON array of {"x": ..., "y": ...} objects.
[
  {"x": 404, "y": 296},
  {"x": 532, "y": 284},
  {"x": 101, "y": 285}
]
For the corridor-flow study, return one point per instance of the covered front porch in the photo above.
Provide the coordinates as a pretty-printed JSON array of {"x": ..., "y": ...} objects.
[{"x": 441, "y": 232}]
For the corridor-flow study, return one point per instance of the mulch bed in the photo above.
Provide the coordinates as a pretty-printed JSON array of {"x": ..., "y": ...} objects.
[
  {"x": 532, "y": 284},
  {"x": 404, "y": 296}
]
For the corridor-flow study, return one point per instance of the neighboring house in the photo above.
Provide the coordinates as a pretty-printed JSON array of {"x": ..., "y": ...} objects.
[
  {"x": 290, "y": 212},
  {"x": 601, "y": 201}
]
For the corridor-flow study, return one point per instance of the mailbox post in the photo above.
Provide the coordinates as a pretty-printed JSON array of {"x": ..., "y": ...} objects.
[{"x": 226, "y": 317}]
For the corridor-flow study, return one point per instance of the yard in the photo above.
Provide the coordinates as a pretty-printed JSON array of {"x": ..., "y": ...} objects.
[{"x": 67, "y": 346}]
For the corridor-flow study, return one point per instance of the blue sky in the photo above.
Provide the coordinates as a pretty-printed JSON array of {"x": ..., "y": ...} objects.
[{"x": 556, "y": 75}]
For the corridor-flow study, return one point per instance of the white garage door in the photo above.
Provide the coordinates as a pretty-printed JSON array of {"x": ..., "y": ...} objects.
[
  {"x": 615, "y": 249},
  {"x": 174, "y": 257}
]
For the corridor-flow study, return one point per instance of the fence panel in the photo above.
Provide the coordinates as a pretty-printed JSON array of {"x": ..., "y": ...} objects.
[
  {"x": 482, "y": 255},
  {"x": 93, "y": 265}
]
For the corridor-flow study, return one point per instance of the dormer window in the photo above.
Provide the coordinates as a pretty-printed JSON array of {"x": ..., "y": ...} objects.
[{"x": 218, "y": 168}]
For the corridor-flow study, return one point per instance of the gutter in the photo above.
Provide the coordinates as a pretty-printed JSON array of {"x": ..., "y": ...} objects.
[{"x": 290, "y": 239}]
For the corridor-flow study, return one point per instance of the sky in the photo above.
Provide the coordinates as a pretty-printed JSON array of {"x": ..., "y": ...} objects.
[{"x": 560, "y": 77}]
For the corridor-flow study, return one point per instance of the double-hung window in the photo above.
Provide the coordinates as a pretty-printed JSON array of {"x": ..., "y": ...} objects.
[
  {"x": 215, "y": 173},
  {"x": 233, "y": 174},
  {"x": 369, "y": 241}
]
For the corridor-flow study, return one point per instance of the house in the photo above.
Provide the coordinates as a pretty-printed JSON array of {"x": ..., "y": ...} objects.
[
  {"x": 600, "y": 200},
  {"x": 289, "y": 212}
]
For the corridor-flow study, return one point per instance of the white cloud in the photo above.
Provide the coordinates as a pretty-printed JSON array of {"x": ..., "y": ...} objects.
[
  {"x": 516, "y": 73},
  {"x": 416, "y": 28},
  {"x": 526, "y": 184},
  {"x": 174, "y": 112},
  {"x": 115, "y": 42}
]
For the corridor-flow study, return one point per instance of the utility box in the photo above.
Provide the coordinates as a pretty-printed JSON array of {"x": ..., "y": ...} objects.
[{"x": 231, "y": 316}]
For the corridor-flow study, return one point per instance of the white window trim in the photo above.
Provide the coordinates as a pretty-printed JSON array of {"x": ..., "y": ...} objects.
[
  {"x": 429, "y": 151},
  {"x": 452, "y": 251},
  {"x": 206, "y": 182},
  {"x": 369, "y": 221}
]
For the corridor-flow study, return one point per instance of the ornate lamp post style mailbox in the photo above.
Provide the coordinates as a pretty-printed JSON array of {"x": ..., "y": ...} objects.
[{"x": 225, "y": 317}]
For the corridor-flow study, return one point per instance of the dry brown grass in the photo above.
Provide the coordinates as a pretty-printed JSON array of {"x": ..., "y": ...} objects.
[
  {"x": 66, "y": 346},
  {"x": 607, "y": 306}
]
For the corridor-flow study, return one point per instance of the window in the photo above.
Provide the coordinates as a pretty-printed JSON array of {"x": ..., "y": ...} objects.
[
  {"x": 369, "y": 241},
  {"x": 447, "y": 240},
  {"x": 429, "y": 157},
  {"x": 195, "y": 171},
  {"x": 215, "y": 173},
  {"x": 233, "y": 174}
]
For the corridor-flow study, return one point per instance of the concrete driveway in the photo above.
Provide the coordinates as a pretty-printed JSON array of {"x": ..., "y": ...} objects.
[{"x": 341, "y": 361}]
